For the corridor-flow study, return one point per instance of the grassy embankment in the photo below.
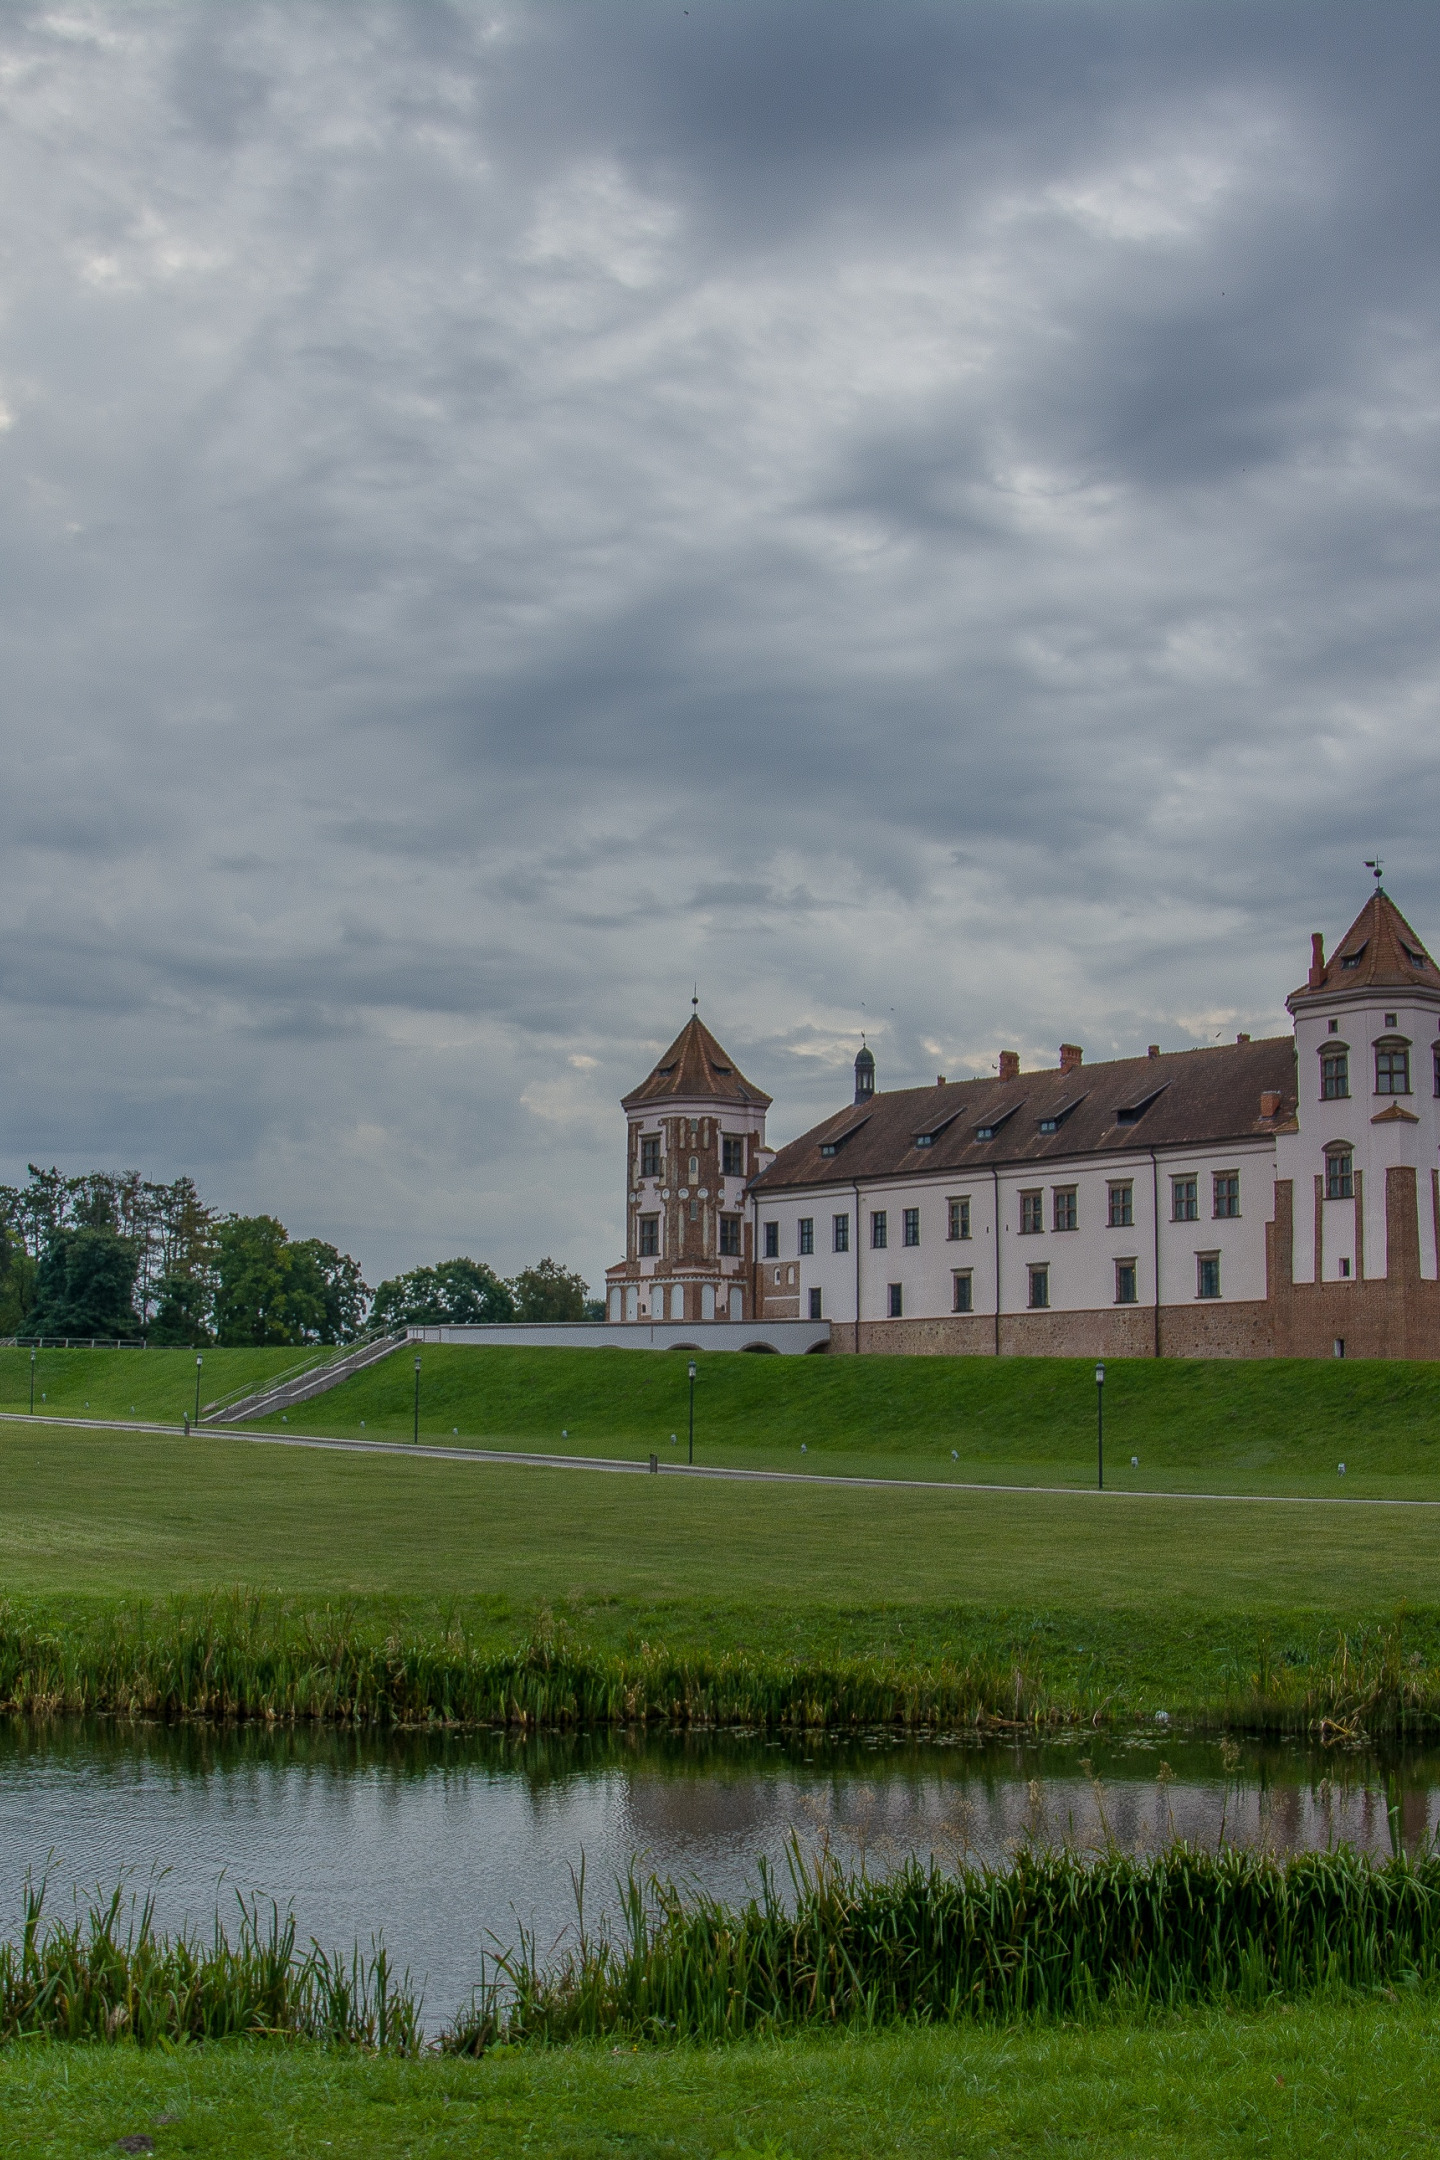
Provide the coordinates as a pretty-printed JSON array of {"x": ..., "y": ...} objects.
[
  {"x": 1243, "y": 1426},
  {"x": 380, "y": 1588},
  {"x": 156, "y": 1384},
  {"x": 1234, "y": 1426}
]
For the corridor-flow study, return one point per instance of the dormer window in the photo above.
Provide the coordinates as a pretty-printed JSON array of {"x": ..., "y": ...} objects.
[
  {"x": 993, "y": 1123},
  {"x": 1353, "y": 959},
  {"x": 1416, "y": 959},
  {"x": 1131, "y": 1113},
  {"x": 925, "y": 1139}
]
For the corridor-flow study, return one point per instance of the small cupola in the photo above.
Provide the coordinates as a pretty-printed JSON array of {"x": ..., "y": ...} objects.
[{"x": 864, "y": 1074}]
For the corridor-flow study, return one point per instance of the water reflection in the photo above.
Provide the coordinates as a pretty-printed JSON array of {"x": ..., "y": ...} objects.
[{"x": 441, "y": 1839}]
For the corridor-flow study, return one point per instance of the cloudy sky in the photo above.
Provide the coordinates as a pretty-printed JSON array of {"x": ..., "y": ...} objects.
[{"x": 916, "y": 518}]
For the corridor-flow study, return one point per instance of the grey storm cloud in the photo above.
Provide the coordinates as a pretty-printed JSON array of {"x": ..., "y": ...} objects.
[{"x": 913, "y": 518}]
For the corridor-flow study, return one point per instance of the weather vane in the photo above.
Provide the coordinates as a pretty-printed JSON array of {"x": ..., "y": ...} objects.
[{"x": 1374, "y": 863}]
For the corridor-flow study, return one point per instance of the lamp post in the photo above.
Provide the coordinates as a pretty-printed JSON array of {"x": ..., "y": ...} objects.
[
  {"x": 692, "y": 1409},
  {"x": 32, "y": 1383},
  {"x": 417, "y": 1402},
  {"x": 1100, "y": 1424},
  {"x": 198, "y": 1363}
]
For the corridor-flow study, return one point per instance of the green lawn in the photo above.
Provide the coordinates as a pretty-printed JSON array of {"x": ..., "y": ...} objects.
[
  {"x": 1142, "y": 1603},
  {"x": 1360, "y": 2080},
  {"x": 1234, "y": 1426}
]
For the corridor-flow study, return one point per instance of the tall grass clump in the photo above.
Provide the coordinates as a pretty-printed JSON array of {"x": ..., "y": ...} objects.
[
  {"x": 243, "y": 1656},
  {"x": 1053, "y": 1937},
  {"x": 109, "y": 1975}
]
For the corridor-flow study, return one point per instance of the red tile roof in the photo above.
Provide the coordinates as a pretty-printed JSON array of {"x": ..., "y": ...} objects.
[
  {"x": 696, "y": 1068},
  {"x": 1188, "y": 1098},
  {"x": 1378, "y": 951}
]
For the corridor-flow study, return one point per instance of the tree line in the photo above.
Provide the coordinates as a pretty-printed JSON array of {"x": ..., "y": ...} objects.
[{"x": 114, "y": 1258}]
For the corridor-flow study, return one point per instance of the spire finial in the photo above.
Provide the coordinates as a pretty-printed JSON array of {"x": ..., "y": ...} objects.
[
  {"x": 1374, "y": 864},
  {"x": 695, "y": 1001}
]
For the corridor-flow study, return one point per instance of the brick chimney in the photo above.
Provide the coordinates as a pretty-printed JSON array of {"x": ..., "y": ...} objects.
[
  {"x": 1071, "y": 1056},
  {"x": 1317, "y": 958},
  {"x": 1242, "y": 1038},
  {"x": 1009, "y": 1064},
  {"x": 1269, "y": 1103},
  {"x": 1154, "y": 1050}
]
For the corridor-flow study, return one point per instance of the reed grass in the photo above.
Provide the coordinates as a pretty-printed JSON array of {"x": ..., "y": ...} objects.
[
  {"x": 1053, "y": 1937},
  {"x": 109, "y": 1975},
  {"x": 243, "y": 1656}
]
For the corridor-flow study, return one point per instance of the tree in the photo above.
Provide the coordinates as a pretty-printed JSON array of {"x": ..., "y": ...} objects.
[
  {"x": 269, "y": 1290},
  {"x": 182, "y": 1312},
  {"x": 343, "y": 1291},
  {"x": 457, "y": 1293},
  {"x": 17, "y": 1282},
  {"x": 549, "y": 1292},
  {"x": 86, "y": 1286}
]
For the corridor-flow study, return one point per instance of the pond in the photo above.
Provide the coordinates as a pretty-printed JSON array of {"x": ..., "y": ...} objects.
[{"x": 439, "y": 1842}]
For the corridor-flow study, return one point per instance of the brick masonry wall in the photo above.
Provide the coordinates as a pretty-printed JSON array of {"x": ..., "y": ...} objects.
[
  {"x": 1397, "y": 1316},
  {"x": 1240, "y": 1330}
]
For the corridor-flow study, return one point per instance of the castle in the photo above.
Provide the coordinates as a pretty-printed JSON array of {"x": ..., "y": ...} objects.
[{"x": 1278, "y": 1198}]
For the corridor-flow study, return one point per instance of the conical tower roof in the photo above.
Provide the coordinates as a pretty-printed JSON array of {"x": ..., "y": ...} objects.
[
  {"x": 1378, "y": 952},
  {"x": 696, "y": 1069}
]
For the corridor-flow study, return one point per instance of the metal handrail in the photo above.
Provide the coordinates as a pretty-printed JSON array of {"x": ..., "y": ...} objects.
[{"x": 331, "y": 1354}]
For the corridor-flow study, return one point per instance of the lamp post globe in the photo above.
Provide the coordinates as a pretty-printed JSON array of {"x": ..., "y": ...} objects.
[{"x": 1100, "y": 1426}]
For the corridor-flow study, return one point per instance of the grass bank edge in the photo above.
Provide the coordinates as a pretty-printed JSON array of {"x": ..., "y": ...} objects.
[{"x": 247, "y": 1657}]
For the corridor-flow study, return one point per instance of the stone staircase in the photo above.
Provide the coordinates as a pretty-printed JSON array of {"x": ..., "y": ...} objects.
[{"x": 302, "y": 1385}]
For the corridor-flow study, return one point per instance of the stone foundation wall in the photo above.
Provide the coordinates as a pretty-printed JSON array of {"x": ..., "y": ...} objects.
[{"x": 1397, "y": 1316}]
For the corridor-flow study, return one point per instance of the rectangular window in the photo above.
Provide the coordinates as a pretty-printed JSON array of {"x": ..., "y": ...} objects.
[
  {"x": 1345, "y": 1270},
  {"x": 1207, "y": 1274},
  {"x": 732, "y": 1157},
  {"x": 1227, "y": 1194},
  {"x": 897, "y": 1301},
  {"x": 1032, "y": 1213},
  {"x": 960, "y": 1209},
  {"x": 649, "y": 1236},
  {"x": 1340, "y": 1175},
  {"x": 964, "y": 1290},
  {"x": 730, "y": 1236},
  {"x": 1122, "y": 1206},
  {"x": 1334, "y": 1075},
  {"x": 815, "y": 1303},
  {"x": 650, "y": 1158},
  {"x": 807, "y": 1235},
  {"x": 842, "y": 1232},
  {"x": 772, "y": 1241},
  {"x": 1184, "y": 1199},
  {"x": 1039, "y": 1288},
  {"x": 879, "y": 1230},
  {"x": 1124, "y": 1282},
  {"x": 1066, "y": 1211},
  {"x": 910, "y": 1221},
  {"x": 1435, "y": 1059},
  {"x": 1392, "y": 1072}
]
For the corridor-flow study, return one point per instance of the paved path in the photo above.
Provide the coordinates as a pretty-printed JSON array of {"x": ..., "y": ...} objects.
[{"x": 481, "y": 1456}]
